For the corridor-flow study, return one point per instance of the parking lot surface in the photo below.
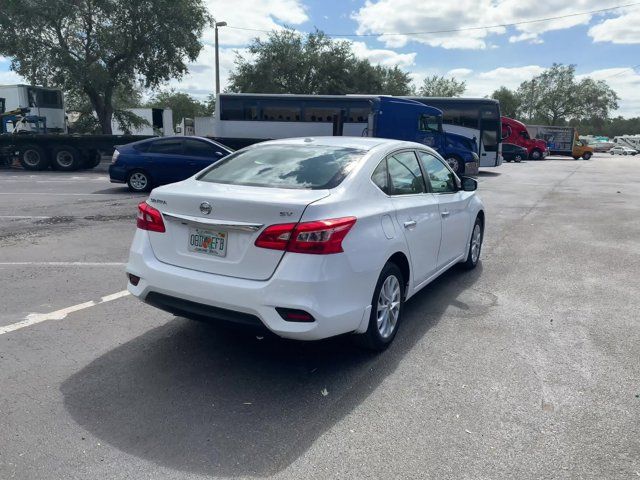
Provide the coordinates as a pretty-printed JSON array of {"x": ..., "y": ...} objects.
[{"x": 527, "y": 367}]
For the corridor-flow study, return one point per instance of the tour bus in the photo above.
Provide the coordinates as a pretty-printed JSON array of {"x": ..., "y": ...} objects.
[
  {"x": 243, "y": 119},
  {"x": 472, "y": 117}
]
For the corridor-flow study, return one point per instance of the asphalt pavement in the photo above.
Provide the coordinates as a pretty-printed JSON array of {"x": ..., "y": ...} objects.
[{"x": 527, "y": 367}]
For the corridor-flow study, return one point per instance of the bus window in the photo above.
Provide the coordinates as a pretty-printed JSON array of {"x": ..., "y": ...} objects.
[
  {"x": 320, "y": 114},
  {"x": 358, "y": 115},
  {"x": 231, "y": 109},
  {"x": 278, "y": 111}
]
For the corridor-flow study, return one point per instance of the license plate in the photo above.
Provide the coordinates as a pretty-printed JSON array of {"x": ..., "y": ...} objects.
[{"x": 207, "y": 241}]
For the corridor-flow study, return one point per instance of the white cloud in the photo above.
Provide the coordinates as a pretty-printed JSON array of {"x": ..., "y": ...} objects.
[
  {"x": 259, "y": 15},
  {"x": 390, "y": 16},
  {"x": 626, "y": 83},
  {"x": 622, "y": 29},
  {"x": 11, "y": 78},
  {"x": 387, "y": 58}
]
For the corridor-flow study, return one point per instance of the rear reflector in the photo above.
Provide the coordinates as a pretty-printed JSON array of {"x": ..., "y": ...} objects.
[
  {"x": 319, "y": 237},
  {"x": 133, "y": 279},
  {"x": 150, "y": 218},
  {"x": 292, "y": 315}
]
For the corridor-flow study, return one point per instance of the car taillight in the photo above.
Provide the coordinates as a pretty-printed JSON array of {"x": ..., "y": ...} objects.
[
  {"x": 114, "y": 157},
  {"x": 150, "y": 218},
  {"x": 319, "y": 237}
]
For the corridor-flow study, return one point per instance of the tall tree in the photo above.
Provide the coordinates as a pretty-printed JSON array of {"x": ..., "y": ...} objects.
[
  {"x": 556, "y": 96},
  {"x": 182, "y": 105},
  {"x": 440, "y": 86},
  {"x": 509, "y": 101},
  {"x": 287, "y": 62},
  {"x": 95, "y": 47}
]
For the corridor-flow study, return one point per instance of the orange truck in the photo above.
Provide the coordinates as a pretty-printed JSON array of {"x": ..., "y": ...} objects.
[{"x": 561, "y": 141}]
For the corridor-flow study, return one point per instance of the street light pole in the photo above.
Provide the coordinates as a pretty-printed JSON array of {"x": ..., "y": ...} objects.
[{"x": 216, "y": 25}]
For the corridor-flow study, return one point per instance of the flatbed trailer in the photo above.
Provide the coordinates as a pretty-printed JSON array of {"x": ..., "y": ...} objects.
[{"x": 67, "y": 152}]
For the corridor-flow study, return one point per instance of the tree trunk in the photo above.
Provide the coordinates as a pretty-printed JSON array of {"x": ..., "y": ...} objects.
[{"x": 103, "y": 109}]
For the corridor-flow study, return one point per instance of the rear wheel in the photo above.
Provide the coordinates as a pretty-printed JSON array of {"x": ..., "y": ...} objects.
[
  {"x": 139, "y": 181},
  {"x": 624, "y": 153},
  {"x": 33, "y": 157},
  {"x": 475, "y": 246},
  {"x": 65, "y": 158},
  {"x": 386, "y": 309},
  {"x": 456, "y": 164}
]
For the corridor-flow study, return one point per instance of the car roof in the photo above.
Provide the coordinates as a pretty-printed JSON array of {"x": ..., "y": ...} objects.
[{"x": 361, "y": 143}]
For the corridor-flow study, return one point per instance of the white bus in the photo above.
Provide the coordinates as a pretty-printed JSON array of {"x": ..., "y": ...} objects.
[{"x": 43, "y": 102}]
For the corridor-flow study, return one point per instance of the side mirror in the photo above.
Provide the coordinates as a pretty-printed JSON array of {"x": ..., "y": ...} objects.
[{"x": 469, "y": 184}]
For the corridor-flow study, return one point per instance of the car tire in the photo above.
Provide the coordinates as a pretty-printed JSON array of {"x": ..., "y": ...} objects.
[
  {"x": 624, "y": 153},
  {"x": 536, "y": 155},
  {"x": 139, "y": 181},
  {"x": 475, "y": 245},
  {"x": 65, "y": 158},
  {"x": 387, "y": 304},
  {"x": 33, "y": 157},
  {"x": 517, "y": 158},
  {"x": 456, "y": 164}
]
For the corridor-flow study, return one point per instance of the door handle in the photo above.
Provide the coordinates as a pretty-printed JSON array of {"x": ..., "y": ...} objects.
[
  {"x": 410, "y": 224},
  {"x": 444, "y": 214}
]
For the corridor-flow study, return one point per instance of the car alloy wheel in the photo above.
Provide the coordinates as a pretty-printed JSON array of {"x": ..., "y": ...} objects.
[
  {"x": 476, "y": 243},
  {"x": 388, "y": 308},
  {"x": 138, "y": 181}
]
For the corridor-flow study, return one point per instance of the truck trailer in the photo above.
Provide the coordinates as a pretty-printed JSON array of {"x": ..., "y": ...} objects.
[{"x": 562, "y": 141}]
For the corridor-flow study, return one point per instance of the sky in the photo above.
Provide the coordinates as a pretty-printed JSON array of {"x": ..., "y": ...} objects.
[{"x": 603, "y": 45}]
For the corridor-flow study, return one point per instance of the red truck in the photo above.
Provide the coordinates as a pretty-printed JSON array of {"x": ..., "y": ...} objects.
[{"x": 516, "y": 132}]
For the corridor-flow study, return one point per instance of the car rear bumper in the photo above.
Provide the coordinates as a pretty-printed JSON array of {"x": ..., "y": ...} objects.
[
  {"x": 322, "y": 285},
  {"x": 117, "y": 174}
]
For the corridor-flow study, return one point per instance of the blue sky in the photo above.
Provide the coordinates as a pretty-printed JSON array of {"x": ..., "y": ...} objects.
[{"x": 603, "y": 45}]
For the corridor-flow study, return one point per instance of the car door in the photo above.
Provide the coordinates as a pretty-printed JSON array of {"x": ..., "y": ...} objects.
[
  {"x": 165, "y": 159},
  {"x": 199, "y": 154},
  {"x": 452, "y": 205},
  {"x": 416, "y": 211}
]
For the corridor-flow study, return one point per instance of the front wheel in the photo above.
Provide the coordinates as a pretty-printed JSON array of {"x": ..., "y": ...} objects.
[
  {"x": 456, "y": 164},
  {"x": 536, "y": 155},
  {"x": 624, "y": 153},
  {"x": 587, "y": 155},
  {"x": 475, "y": 246},
  {"x": 386, "y": 309},
  {"x": 518, "y": 158}
]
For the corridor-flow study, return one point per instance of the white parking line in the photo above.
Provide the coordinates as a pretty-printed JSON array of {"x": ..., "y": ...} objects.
[
  {"x": 35, "y": 318},
  {"x": 65, "y": 194},
  {"x": 62, "y": 264}
]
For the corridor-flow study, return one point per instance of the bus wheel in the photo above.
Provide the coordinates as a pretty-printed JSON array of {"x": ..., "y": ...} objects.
[
  {"x": 456, "y": 164},
  {"x": 33, "y": 157},
  {"x": 65, "y": 158}
]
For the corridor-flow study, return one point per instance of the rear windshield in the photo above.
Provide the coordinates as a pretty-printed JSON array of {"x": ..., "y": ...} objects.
[{"x": 313, "y": 167}]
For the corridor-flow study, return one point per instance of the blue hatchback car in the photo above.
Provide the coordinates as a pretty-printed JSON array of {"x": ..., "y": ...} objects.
[{"x": 157, "y": 161}]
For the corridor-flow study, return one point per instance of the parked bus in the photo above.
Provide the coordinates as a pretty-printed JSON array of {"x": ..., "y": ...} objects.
[
  {"x": 244, "y": 119},
  {"x": 472, "y": 117}
]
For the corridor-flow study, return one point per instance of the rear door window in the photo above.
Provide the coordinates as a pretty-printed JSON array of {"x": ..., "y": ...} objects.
[
  {"x": 167, "y": 146},
  {"x": 405, "y": 174},
  {"x": 312, "y": 167}
]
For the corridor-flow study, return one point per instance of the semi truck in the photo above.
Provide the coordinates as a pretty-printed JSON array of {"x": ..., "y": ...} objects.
[
  {"x": 562, "y": 141},
  {"x": 33, "y": 131},
  {"x": 516, "y": 133}
]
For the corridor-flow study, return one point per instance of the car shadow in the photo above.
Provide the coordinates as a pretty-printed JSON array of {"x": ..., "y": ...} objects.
[
  {"x": 214, "y": 401},
  {"x": 487, "y": 173}
]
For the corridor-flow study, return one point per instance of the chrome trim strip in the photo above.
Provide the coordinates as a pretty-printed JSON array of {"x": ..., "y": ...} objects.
[{"x": 227, "y": 225}]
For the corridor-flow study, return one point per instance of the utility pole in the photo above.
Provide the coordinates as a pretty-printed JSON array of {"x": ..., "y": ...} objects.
[{"x": 216, "y": 25}]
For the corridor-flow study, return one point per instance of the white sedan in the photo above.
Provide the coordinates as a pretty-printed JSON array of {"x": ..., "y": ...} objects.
[
  {"x": 310, "y": 237},
  {"x": 623, "y": 151}
]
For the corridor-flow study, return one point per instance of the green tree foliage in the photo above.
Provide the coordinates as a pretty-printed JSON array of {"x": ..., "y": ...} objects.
[
  {"x": 509, "y": 101},
  {"x": 182, "y": 104},
  {"x": 440, "y": 86},
  {"x": 95, "y": 47},
  {"x": 555, "y": 96},
  {"x": 609, "y": 127},
  {"x": 287, "y": 62}
]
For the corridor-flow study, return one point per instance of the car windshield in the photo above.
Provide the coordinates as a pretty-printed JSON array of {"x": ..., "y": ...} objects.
[{"x": 313, "y": 167}]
